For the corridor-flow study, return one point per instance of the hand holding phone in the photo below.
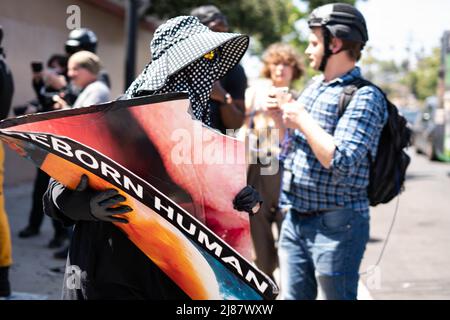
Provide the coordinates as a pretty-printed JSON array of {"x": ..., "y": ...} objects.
[
  {"x": 37, "y": 66},
  {"x": 282, "y": 95}
]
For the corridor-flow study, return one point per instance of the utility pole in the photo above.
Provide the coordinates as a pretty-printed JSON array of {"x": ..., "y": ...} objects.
[{"x": 131, "y": 28}]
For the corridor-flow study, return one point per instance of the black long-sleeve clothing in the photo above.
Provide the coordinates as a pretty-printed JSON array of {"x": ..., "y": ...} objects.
[{"x": 104, "y": 264}]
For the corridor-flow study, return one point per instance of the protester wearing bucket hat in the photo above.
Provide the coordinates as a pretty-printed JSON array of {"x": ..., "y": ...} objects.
[
  {"x": 186, "y": 56},
  {"x": 227, "y": 100},
  {"x": 178, "y": 64}
]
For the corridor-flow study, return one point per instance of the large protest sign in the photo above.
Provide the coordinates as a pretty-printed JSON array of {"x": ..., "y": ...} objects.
[{"x": 179, "y": 176}]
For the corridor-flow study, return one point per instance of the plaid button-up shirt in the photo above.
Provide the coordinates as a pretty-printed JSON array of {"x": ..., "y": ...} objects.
[{"x": 307, "y": 185}]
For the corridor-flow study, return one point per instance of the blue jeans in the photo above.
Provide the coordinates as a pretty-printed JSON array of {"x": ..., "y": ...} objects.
[{"x": 322, "y": 251}]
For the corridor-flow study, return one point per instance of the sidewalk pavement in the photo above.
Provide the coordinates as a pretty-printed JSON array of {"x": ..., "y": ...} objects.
[
  {"x": 31, "y": 274},
  {"x": 414, "y": 264}
]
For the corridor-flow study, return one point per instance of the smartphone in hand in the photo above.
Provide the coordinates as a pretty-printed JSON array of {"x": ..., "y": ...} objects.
[
  {"x": 283, "y": 96},
  {"x": 37, "y": 66}
]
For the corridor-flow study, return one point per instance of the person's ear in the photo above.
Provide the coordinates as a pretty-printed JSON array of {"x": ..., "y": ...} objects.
[{"x": 336, "y": 45}]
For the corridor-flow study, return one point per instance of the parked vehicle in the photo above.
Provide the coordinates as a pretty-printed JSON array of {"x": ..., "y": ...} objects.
[
  {"x": 429, "y": 129},
  {"x": 410, "y": 115}
]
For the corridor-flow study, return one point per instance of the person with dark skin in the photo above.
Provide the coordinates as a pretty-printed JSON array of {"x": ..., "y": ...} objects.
[
  {"x": 43, "y": 83},
  {"x": 108, "y": 264}
]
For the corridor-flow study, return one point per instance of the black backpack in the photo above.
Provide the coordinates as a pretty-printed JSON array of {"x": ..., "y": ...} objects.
[{"x": 387, "y": 172}]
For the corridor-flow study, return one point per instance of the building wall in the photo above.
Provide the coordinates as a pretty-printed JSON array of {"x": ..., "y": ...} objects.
[{"x": 35, "y": 29}]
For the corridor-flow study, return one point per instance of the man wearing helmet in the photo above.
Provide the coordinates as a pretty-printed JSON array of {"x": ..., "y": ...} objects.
[
  {"x": 81, "y": 39},
  {"x": 326, "y": 160},
  {"x": 84, "y": 39}
]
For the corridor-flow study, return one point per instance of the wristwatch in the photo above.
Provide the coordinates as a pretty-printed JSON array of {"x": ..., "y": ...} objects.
[{"x": 227, "y": 98}]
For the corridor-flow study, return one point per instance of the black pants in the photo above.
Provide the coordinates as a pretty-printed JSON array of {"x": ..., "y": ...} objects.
[
  {"x": 37, "y": 210},
  {"x": 103, "y": 263},
  {"x": 261, "y": 224}
]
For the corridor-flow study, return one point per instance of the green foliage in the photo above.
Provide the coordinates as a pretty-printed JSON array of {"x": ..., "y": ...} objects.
[
  {"x": 317, "y": 3},
  {"x": 388, "y": 66},
  {"x": 422, "y": 81},
  {"x": 266, "y": 21},
  {"x": 397, "y": 78}
]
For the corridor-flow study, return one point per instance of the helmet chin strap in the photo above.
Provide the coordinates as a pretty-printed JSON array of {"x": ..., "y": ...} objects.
[
  {"x": 327, "y": 51},
  {"x": 326, "y": 45}
]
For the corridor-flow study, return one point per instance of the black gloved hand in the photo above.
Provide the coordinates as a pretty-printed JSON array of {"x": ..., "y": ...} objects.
[
  {"x": 248, "y": 199},
  {"x": 84, "y": 203}
]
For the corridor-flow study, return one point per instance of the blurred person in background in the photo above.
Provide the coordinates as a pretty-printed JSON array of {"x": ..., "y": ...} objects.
[
  {"x": 281, "y": 66},
  {"x": 83, "y": 71},
  {"x": 45, "y": 87},
  {"x": 46, "y": 83},
  {"x": 54, "y": 90},
  {"x": 82, "y": 39},
  {"x": 50, "y": 81},
  {"x": 55, "y": 80},
  {"x": 6, "y": 94},
  {"x": 85, "y": 40}
]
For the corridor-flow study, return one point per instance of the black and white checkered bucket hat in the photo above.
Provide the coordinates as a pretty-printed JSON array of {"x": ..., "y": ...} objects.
[{"x": 181, "y": 41}]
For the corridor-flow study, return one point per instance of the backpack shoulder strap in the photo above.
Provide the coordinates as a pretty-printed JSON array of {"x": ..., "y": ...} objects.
[{"x": 349, "y": 91}]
